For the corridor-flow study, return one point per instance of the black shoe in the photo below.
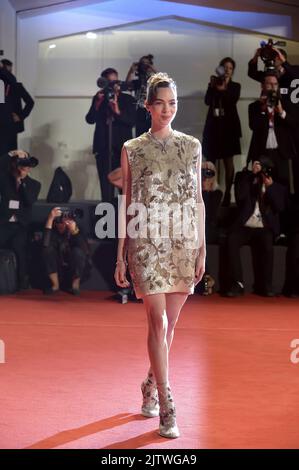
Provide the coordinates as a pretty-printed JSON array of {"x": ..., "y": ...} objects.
[
  {"x": 24, "y": 284},
  {"x": 75, "y": 291},
  {"x": 264, "y": 292},
  {"x": 50, "y": 291},
  {"x": 235, "y": 291},
  {"x": 291, "y": 294}
]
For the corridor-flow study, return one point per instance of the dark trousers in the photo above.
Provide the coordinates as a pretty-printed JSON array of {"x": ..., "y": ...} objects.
[
  {"x": 295, "y": 167},
  {"x": 291, "y": 284},
  {"x": 8, "y": 142},
  {"x": 74, "y": 268},
  {"x": 261, "y": 241},
  {"x": 143, "y": 121},
  {"x": 104, "y": 166},
  {"x": 13, "y": 236}
]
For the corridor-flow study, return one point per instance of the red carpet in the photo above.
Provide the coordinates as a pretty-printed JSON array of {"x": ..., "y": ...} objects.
[{"x": 74, "y": 365}]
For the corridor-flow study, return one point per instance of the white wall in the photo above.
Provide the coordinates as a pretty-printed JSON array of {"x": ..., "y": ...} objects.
[
  {"x": 56, "y": 128},
  {"x": 7, "y": 30}
]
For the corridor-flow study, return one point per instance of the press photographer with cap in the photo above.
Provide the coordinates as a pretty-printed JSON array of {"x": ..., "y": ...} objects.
[{"x": 18, "y": 193}]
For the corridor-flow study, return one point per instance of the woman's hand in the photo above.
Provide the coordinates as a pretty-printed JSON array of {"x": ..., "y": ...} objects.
[
  {"x": 200, "y": 267},
  {"x": 71, "y": 226},
  {"x": 120, "y": 274},
  {"x": 55, "y": 212}
]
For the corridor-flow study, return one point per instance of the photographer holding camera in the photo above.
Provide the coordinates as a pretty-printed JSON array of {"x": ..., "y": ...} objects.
[
  {"x": 114, "y": 114},
  {"x": 222, "y": 131},
  {"x": 212, "y": 197},
  {"x": 272, "y": 127},
  {"x": 66, "y": 252},
  {"x": 143, "y": 69},
  {"x": 275, "y": 61},
  {"x": 18, "y": 192},
  {"x": 259, "y": 200}
]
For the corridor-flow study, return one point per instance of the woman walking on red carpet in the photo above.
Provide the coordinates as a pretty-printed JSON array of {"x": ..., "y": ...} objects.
[{"x": 161, "y": 172}]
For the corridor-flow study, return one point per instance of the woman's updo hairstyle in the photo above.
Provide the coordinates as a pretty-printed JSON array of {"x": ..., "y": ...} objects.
[{"x": 158, "y": 80}]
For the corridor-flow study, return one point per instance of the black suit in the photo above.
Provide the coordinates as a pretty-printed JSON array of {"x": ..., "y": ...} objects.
[
  {"x": 248, "y": 190},
  {"x": 15, "y": 95},
  {"x": 121, "y": 132},
  {"x": 6, "y": 121},
  {"x": 13, "y": 234},
  {"x": 283, "y": 128},
  {"x": 19, "y": 95},
  {"x": 221, "y": 135},
  {"x": 286, "y": 84}
]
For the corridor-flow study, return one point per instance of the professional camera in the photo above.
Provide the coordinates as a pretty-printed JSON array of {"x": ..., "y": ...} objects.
[
  {"x": 267, "y": 167},
  {"x": 28, "y": 161},
  {"x": 219, "y": 78},
  {"x": 273, "y": 98},
  {"x": 268, "y": 55},
  {"x": 70, "y": 214},
  {"x": 107, "y": 87},
  {"x": 207, "y": 173}
]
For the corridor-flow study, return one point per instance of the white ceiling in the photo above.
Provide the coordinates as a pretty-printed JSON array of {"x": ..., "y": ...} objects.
[{"x": 23, "y": 5}]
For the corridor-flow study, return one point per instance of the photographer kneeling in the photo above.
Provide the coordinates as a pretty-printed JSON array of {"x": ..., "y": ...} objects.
[{"x": 65, "y": 251}]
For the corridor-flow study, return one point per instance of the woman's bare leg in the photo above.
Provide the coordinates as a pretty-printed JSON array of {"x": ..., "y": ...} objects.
[
  {"x": 155, "y": 305},
  {"x": 158, "y": 353},
  {"x": 174, "y": 303}
]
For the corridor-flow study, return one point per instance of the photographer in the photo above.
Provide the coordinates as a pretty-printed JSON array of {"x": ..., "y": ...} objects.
[
  {"x": 222, "y": 131},
  {"x": 272, "y": 126},
  {"x": 6, "y": 119},
  {"x": 275, "y": 59},
  {"x": 111, "y": 110},
  {"x": 143, "y": 70},
  {"x": 18, "y": 192},
  {"x": 212, "y": 197},
  {"x": 65, "y": 251},
  {"x": 259, "y": 201},
  {"x": 16, "y": 95}
]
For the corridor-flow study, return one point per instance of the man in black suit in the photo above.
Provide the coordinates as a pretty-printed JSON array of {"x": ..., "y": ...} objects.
[
  {"x": 16, "y": 95},
  {"x": 18, "y": 192},
  {"x": 7, "y": 82},
  {"x": 272, "y": 128},
  {"x": 259, "y": 201},
  {"x": 287, "y": 76},
  {"x": 114, "y": 114}
]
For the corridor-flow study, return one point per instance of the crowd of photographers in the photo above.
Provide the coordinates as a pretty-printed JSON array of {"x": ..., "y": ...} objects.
[{"x": 265, "y": 207}]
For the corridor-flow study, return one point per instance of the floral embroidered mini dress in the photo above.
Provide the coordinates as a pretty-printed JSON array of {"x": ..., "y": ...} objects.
[{"x": 163, "y": 227}]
